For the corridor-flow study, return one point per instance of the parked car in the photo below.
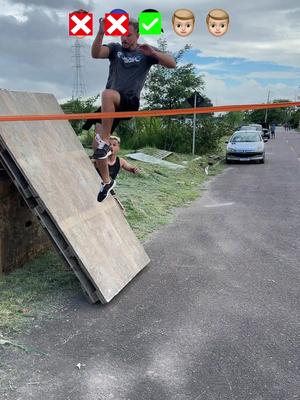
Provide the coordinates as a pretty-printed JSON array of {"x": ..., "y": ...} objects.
[
  {"x": 258, "y": 127},
  {"x": 251, "y": 127},
  {"x": 246, "y": 146},
  {"x": 266, "y": 130},
  {"x": 244, "y": 128},
  {"x": 263, "y": 129}
]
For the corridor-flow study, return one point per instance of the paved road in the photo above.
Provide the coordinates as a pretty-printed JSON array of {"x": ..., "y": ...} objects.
[{"x": 214, "y": 317}]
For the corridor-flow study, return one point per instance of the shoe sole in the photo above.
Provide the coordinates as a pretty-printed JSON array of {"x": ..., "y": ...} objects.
[
  {"x": 109, "y": 190},
  {"x": 103, "y": 158}
]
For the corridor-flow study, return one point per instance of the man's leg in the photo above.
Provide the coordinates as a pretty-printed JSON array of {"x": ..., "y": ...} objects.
[
  {"x": 110, "y": 102},
  {"x": 90, "y": 122}
]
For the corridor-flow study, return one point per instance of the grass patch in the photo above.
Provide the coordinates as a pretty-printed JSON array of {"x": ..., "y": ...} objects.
[
  {"x": 43, "y": 285},
  {"x": 149, "y": 198},
  {"x": 34, "y": 291}
]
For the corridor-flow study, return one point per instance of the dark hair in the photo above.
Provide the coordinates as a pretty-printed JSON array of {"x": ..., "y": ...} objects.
[{"x": 134, "y": 23}]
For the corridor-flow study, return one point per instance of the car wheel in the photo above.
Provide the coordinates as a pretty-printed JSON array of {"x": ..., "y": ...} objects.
[
  {"x": 228, "y": 161},
  {"x": 262, "y": 161}
]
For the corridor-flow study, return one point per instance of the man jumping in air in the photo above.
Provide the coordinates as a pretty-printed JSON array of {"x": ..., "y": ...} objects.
[{"x": 130, "y": 63}]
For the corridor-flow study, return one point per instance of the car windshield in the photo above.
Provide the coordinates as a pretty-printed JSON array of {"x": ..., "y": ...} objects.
[
  {"x": 245, "y": 137},
  {"x": 250, "y": 128}
]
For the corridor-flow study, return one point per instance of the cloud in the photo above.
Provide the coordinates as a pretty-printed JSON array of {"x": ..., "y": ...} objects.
[
  {"x": 247, "y": 91},
  {"x": 42, "y": 60},
  {"x": 53, "y": 4},
  {"x": 217, "y": 65},
  {"x": 274, "y": 75},
  {"x": 36, "y": 50}
]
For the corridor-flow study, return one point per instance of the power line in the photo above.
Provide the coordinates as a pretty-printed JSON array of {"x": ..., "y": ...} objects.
[{"x": 79, "y": 86}]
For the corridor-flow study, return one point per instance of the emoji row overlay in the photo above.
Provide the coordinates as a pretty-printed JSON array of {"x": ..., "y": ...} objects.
[
  {"x": 183, "y": 22},
  {"x": 149, "y": 21}
]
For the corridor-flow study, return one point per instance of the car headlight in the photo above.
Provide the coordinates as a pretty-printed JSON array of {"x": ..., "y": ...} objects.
[
  {"x": 231, "y": 149},
  {"x": 260, "y": 148}
]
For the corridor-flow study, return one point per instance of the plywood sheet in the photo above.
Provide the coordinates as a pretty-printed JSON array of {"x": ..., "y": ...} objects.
[{"x": 51, "y": 169}]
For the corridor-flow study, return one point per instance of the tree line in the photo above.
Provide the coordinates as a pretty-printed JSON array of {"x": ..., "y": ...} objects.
[{"x": 177, "y": 88}]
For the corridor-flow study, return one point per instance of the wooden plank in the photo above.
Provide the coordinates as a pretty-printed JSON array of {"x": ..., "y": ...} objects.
[{"x": 49, "y": 166}]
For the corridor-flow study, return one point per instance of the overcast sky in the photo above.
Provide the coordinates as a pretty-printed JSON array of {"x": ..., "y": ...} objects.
[{"x": 260, "y": 51}]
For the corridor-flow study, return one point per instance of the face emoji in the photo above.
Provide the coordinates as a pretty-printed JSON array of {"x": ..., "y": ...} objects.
[
  {"x": 217, "y": 22},
  {"x": 217, "y": 28},
  {"x": 183, "y": 22}
]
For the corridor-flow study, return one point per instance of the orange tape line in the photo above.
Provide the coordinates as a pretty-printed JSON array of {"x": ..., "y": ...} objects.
[{"x": 146, "y": 113}]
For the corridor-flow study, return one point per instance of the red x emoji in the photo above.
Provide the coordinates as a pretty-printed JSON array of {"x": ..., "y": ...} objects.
[
  {"x": 80, "y": 24},
  {"x": 116, "y": 24}
]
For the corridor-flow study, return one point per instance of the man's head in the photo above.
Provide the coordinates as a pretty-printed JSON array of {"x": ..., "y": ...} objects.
[
  {"x": 217, "y": 22},
  {"x": 129, "y": 42},
  {"x": 114, "y": 143}
]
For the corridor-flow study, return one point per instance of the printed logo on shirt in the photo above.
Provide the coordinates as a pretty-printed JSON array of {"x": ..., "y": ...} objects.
[{"x": 129, "y": 59}]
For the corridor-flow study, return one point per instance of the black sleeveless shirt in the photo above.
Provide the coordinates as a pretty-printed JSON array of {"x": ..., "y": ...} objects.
[{"x": 114, "y": 169}]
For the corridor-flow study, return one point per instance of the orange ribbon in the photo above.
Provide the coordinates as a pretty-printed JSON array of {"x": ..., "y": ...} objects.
[{"x": 147, "y": 113}]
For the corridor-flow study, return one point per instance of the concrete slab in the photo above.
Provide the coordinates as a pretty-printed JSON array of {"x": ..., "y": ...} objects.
[{"x": 153, "y": 160}]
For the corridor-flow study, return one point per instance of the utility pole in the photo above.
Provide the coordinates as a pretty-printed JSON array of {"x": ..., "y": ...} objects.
[
  {"x": 194, "y": 124},
  {"x": 268, "y": 100}
]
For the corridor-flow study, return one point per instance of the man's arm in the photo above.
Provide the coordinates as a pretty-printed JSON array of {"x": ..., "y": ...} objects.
[
  {"x": 163, "y": 58},
  {"x": 98, "y": 50},
  {"x": 129, "y": 167}
]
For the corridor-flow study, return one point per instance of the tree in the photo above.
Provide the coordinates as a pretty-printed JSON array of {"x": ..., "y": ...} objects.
[
  {"x": 169, "y": 88},
  {"x": 79, "y": 106},
  {"x": 277, "y": 115},
  {"x": 294, "y": 119},
  {"x": 209, "y": 133},
  {"x": 235, "y": 119}
]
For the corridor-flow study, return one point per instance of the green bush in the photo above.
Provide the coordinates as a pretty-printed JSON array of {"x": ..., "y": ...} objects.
[
  {"x": 173, "y": 135},
  {"x": 87, "y": 137},
  {"x": 154, "y": 132},
  {"x": 79, "y": 106}
]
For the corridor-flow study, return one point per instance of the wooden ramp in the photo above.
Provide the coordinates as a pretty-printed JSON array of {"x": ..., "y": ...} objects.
[{"x": 50, "y": 168}]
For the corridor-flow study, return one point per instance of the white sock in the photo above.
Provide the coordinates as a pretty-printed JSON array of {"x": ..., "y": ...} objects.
[{"x": 101, "y": 144}]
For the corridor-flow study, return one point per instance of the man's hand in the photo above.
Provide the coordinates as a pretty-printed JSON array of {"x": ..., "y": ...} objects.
[
  {"x": 135, "y": 170},
  {"x": 101, "y": 26},
  {"x": 162, "y": 58},
  {"x": 147, "y": 50}
]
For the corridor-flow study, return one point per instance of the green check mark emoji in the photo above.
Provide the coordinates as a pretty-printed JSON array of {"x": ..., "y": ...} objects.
[{"x": 150, "y": 23}]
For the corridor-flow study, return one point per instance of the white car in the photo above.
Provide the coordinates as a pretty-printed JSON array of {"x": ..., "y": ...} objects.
[
  {"x": 246, "y": 146},
  {"x": 252, "y": 127}
]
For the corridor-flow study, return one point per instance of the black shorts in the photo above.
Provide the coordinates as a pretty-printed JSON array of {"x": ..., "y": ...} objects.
[{"x": 127, "y": 103}]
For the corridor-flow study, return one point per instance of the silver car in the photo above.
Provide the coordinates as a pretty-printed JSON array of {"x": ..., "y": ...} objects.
[
  {"x": 252, "y": 127},
  {"x": 246, "y": 146}
]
